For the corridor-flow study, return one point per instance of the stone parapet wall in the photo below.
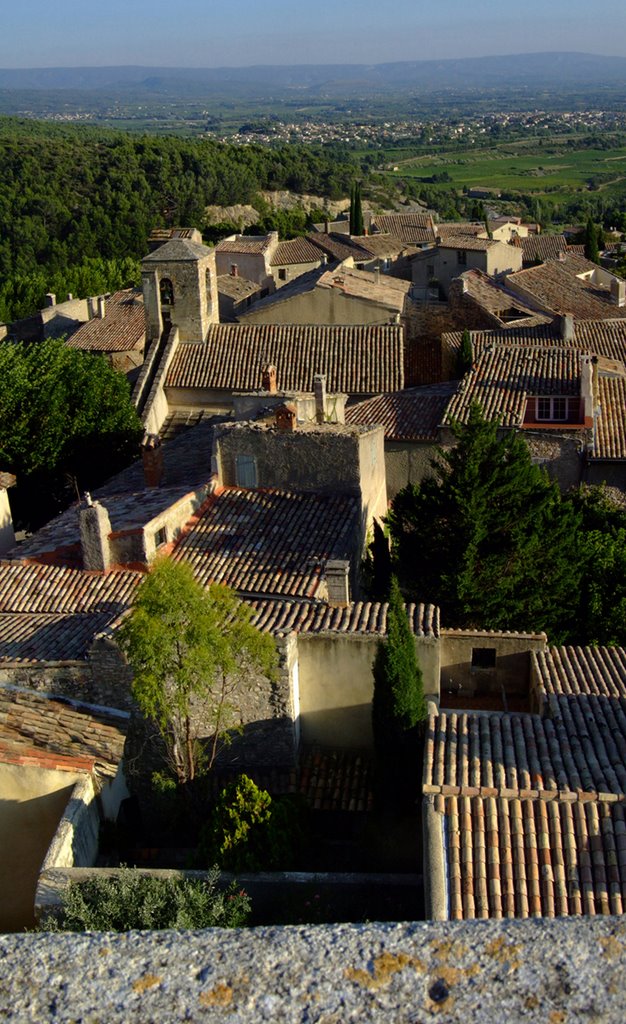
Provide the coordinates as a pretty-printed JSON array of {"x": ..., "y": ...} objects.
[{"x": 478, "y": 972}]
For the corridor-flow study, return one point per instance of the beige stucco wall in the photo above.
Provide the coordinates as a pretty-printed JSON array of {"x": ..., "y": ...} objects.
[
  {"x": 512, "y": 670},
  {"x": 293, "y": 270},
  {"x": 32, "y": 801},
  {"x": 498, "y": 259},
  {"x": 321, "y": 306},
  {"x": 336, "y": 684}
]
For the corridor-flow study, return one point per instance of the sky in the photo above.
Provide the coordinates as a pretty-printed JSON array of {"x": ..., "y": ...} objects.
[{"x": 217, "y": 33}]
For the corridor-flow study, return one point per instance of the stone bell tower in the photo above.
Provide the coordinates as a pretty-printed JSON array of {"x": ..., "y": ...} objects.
[{"x": 179, "y": 284}]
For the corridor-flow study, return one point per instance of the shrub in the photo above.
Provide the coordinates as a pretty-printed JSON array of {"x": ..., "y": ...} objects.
[{"x": 130, "y": 900}]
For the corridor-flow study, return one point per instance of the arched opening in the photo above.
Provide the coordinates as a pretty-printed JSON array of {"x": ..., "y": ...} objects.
[{"x": 166, "y": 292}]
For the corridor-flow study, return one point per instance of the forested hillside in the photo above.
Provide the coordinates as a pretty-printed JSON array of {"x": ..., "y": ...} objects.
[{"x": 72, "y": 198}]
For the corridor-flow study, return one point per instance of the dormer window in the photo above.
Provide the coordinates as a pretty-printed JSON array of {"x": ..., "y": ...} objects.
[{"x": 555, "y": 409}]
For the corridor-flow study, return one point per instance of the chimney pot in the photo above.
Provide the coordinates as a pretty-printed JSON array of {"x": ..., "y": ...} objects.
[
  {"x": 319, "y": 389},
  {"x": 286, "y": 418},
  {"x": 234, "y": 270},
  {"x": 268, "y": 379},
  {"x": 101, "y": 306},
  {"x": 337, "y": 573},
  {"x": 95, "y": 530},
  {"x": 50, "y": 300},
  {"x": 567, "y": 327},
  {"x": 152, "y": 458}
]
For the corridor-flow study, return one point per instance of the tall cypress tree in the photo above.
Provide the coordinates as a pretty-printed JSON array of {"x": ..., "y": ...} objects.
[
  {"x": 465, "y": 355},
  {"x": 591, "y": 241},
  {"x": 357, "y": 226}
]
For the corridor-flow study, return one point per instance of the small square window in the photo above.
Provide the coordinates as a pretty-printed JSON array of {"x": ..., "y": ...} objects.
[
  {"x": 461, "y": 257},
  {"x": 160, "y": 537},
  {"x": 282, "y": 274},
  {"x": 483, "y": 658},
  {"x": 246, "y": 471}
]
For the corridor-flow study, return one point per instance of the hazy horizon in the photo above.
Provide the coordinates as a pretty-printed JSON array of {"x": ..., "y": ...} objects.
[{"x": 205, "y": 34}]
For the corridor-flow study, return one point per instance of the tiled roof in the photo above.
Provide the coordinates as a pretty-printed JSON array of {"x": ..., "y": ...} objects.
[
  {"x": 340, "y": 247},
  {"x": 236, "y": 287},
  {"x": 360, "y": 617},
  {"x": 609, "y": 440},
  {"x": 599, "y": 337},
  {"x": 58, "y": 733},
  {"x": 122, "y": 329},
  {"x": 297, "y": 250},
  {"x": 410, "y": 415},
  {"x": 251, "y": 246},
  {"x": 503, "y": 376},
  {"x": 356, "y": 359},
  {"x": 578, "y": 748},
  {"x": 363, "y": 284},
  {"x": 457, "y": 228},
  {"x": 177, "y": 250},
  {"x": 270, "y": 541},
  {"x": 533, "y": 858},
  {"x": 495, "y": 299},
  {"x": 409, "y": 227},
  {"x": 32, "y": 637},
  {"x": 127, "y": 511},
  {"x": 557, "y": 288},
  {"x": 575, "y": 671},
  {"x": 470, "y": 242},
  {"x": 385, "y": 246},
  {"x": 543, "y": 247},
  {"x": 51, "y": 589}
]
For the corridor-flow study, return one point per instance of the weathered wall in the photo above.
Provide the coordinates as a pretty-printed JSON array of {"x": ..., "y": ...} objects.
[
  {"x": 252, "y": 267},
  {"x": 195, "y": 305},
  {"x": 156, "y": 409},
  {"x": 320, "y": 306},
  {"x": 561, "y": 454},
  {"x": 102, "y": 680},
  {"x": 511, "y": 673},
  {"x": 75, "y": 841},
  {"x": 406, "y": 463},
  {"x": 32, "y": 801},
  {"x": 336, "y": 684},
  {"x": 292, "y": 270},
  {"x": 613, "y": 474},
  {"x": 7, "y": 534},
  {"x": 250, "y": 405},
  {"x": 373, "y": 480}
]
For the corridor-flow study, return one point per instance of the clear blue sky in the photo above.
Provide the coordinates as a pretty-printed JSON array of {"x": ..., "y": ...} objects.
[{"x": 212, "y": 33}]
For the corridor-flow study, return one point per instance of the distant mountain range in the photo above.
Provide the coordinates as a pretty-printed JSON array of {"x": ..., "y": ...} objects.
[{"x": 532, "y": 70}]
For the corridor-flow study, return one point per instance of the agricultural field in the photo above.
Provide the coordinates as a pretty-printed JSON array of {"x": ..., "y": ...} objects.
[{"x": 554, "y": 171}]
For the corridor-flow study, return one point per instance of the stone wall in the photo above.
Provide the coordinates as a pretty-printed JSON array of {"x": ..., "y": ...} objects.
[
  {"x": 465, "y": 672},
  {"x": 75, "y": 842},
  {"x": 407, "y": 463},
  {"x": 560, "y": 453}
]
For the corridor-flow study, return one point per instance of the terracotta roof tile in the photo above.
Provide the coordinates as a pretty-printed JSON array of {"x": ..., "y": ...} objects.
[
  {"x": 356, "y": 359},
  {"x": 543, "y": 247},
  {"x": 122, "y": 329},
  {"x": 557, "y": 288},
  {"x": 270, "y": 541},
  {"x": 360, "y": 617},
  {"x": 609, "y": 440},
  {"x": 297, "y": 250},
  {"x": 50, "y": 589},
  {"x": 415, "y": 228},
  {"x": 575, "y": 671},
  {"x": 78, "y": 735},
  {"x": 410, "y": 415}
]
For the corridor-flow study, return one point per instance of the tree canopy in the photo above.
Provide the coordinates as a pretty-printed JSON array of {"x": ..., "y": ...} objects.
[
  {"x": 489, "y": 538},
  {"x": 64, "y": 415},
  {"x": 191, "y": 649}
]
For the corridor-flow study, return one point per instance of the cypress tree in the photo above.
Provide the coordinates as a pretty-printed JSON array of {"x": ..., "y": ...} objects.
[
  {"x": 464, "y": 357},
  {"x": 398, "y": 704},
  {"x": 357, "y": 226},
  {"x": 591, "y": 241}
]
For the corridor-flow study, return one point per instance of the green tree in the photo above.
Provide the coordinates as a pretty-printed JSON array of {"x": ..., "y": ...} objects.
[
  {"x": 191, "y": 649},
  {"x": 591, "y": 241},
  {"x": 398, "y": 704},
  {"x": 488, "y": 538},
  {"x": 356, "y": 210},
  {"x": 63, "y": 413},
  {"x": 129, "y": 900},
  {"x": 465, "y": 355}
]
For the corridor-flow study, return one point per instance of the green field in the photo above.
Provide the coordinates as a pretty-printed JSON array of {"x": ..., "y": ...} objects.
[{"x": 558, "y": 173}]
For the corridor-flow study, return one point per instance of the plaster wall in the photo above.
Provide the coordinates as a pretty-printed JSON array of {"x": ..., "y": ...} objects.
[
  {"x": 336, "y": 685},
  {"x": 248, "y": 406},
  {"x": 293, "y": 270},
  {"x": 32, "y": 801},
  {"x": 406, "y": 463},
  {"x": 250, "y": 266},
  {"x": 498, "y": 259},
  {"x": 7, "y": 534},
  {"x": 511, "y": 673},
  {"x": 321, "y": 306}
]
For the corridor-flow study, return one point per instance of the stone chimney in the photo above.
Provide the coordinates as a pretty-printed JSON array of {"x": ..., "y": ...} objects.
[
  {"x": 587, "y": 363},
  {"x": 286, "y": 418},
  {"x": 101, "y": 306},
  {"x": 268, "y": 379},
  {"x": 152, "y": 457},
  {"x": 95, "y": 530},
  {"x": 618, "y": 291},
  {"x": 234, "y": 270},
  {"x": 50, "y": 300},
  {"x": 337, "y": 575},
  {"x": 319, "y": 389},
  {"x": 566, "y": 327}
]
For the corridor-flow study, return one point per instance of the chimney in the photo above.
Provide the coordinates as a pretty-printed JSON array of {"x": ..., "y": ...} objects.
[
  {"x": 586, "y": 385},
  {"x": 319, "y": 389},
  {"x": 566, "y": 327},
  {"x": 337, "y": 575},
  {"x": 50, "y": 300},
  {"x": 618, "y": 291},
  {"x": 70, "y": 297},
  {"x": 95, "y": 530},
  {"x": 286, "y": 418},
  {"x": 152, "y": 458},
  {"x": 324, "y": 260},
  {"x": 234, "y": 270},
  {"x": 101, "y": 305},
  {"x": 377, "y": 275},
  {"x": 268, "y": 379}
]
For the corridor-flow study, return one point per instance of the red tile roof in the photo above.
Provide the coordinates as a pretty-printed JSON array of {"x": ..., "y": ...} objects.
[
  {"x": 297, "y": 250},
  {"x": 359, "y": 617},
  {"x": 122, "y": 329},
  {"x": 543, "y": 247},
  {"x": 356, "y": 360},
  {"x": 609, "y": 440},
  {"x": 270, "y": 542},
  {"x": 557, "y": 288},
  {"x": 410, "y": 415}
]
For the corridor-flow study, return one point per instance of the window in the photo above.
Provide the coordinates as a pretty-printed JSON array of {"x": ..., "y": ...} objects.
[
  {"x": 166, "y": 291},
  {"x": 245, "y": 471},
  {"x": 483, "y": 658},
  {"x": 160, "y": 537},
  {"x": 555, "y": 409},
  {"x": 282, "y": 273},
  {"x": 461, "y": 257},
  {"x": 430, "y": 270}
]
